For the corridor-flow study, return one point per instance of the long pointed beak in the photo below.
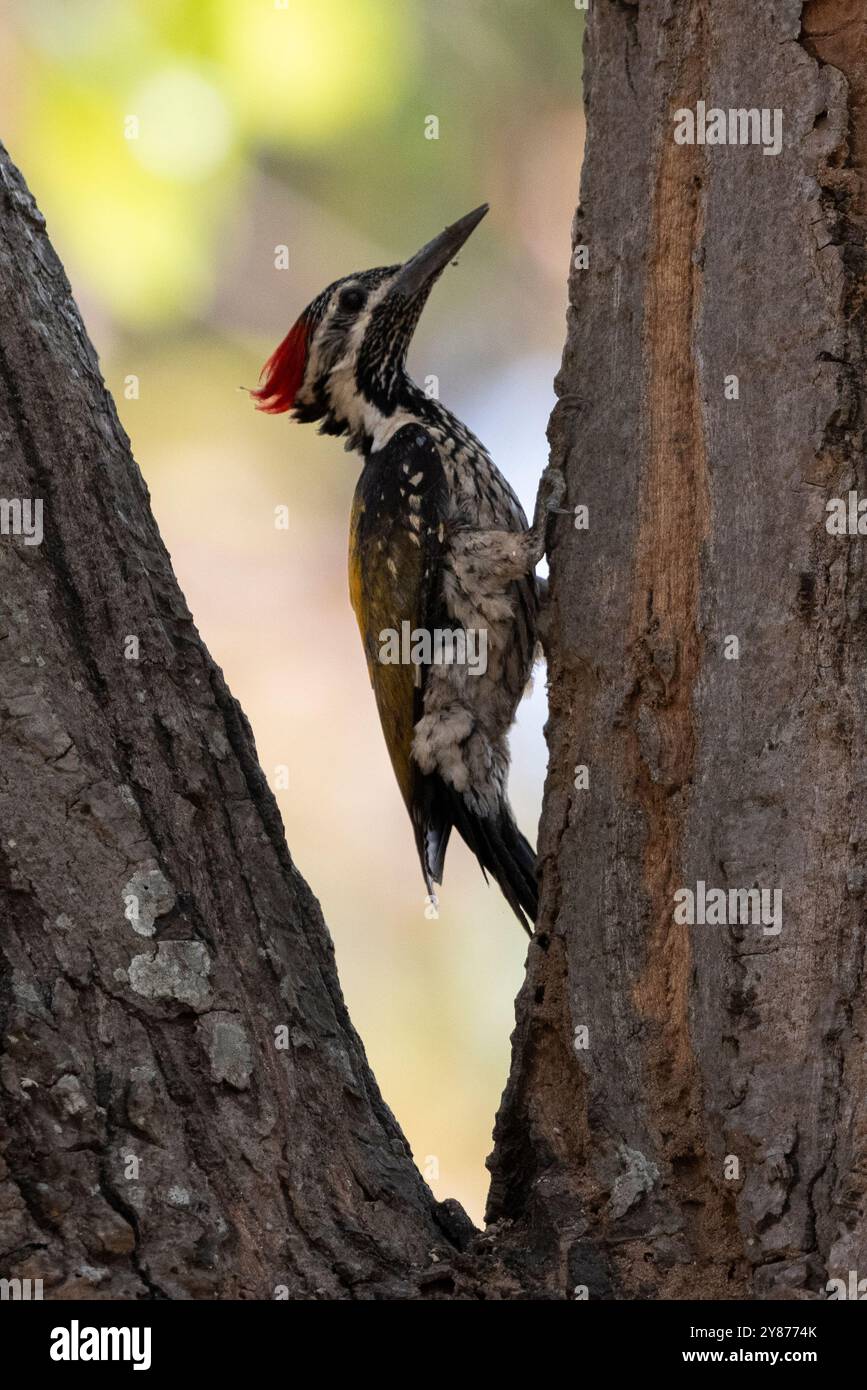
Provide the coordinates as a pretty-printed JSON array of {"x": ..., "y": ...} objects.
[{"x": 426, "y": 264}]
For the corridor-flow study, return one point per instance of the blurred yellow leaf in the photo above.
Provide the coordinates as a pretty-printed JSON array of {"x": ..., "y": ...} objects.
[
  {"x": 300, "y": 72},
  {"x": 139, "y": 239}
]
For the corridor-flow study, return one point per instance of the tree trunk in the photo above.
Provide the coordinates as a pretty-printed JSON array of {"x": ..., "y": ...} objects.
[
  {"x": 681, "y": 1117},
  {"x": 705, "y": 1137},
  {"x": 185, "y": 1109}
]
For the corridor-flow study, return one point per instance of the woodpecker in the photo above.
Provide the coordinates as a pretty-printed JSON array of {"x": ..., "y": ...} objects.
[{"x": 438, "y": 541}]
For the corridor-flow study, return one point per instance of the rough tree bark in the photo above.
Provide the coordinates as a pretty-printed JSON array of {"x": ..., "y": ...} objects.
[
  {"x": 137, "y": 780},
  {"x": 707, "y": 519},
  {"x": 185, "y": 1109}
]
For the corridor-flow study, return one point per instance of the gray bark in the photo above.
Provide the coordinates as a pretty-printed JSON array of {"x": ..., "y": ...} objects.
[
  {"x": 707, "y": 519},
  {"x": 156, "y": 1139}
]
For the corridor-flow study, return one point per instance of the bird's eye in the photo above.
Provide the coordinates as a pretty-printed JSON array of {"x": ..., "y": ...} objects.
[{"x": 352, "y": 299}]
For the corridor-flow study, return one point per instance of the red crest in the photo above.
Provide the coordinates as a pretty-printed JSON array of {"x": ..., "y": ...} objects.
[{"x": 281, "y": 377}]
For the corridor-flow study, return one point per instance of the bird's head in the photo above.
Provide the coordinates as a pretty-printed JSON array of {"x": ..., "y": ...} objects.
[{"x": 343, "y": 362}]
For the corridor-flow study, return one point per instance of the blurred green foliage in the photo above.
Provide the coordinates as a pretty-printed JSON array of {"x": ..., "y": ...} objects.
[{"x": 332, "y": 93}]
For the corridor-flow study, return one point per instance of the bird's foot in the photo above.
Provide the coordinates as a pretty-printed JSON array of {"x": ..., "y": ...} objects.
[{"x": 552, "y": 490}]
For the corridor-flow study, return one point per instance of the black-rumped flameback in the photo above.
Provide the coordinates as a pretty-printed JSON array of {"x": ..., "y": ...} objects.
[{"x": 439, "y": 544}]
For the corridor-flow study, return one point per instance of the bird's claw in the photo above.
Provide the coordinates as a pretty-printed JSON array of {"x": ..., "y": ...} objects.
[
  {"x": 552, "y": 490},
  {"x": 555, "y": 483}
]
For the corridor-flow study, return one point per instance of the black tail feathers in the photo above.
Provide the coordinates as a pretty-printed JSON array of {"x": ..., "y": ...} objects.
[{"x": 495, "y": 840}]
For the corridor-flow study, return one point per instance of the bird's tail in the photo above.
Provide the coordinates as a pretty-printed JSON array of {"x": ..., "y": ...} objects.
[{"x": 495, "y": 840}]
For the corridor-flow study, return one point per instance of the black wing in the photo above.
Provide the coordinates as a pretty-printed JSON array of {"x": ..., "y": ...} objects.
[{"x": 395, "y": 578}]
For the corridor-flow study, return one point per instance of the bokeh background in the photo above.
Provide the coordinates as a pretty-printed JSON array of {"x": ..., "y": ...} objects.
[{"x": 174, "y": 146}]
